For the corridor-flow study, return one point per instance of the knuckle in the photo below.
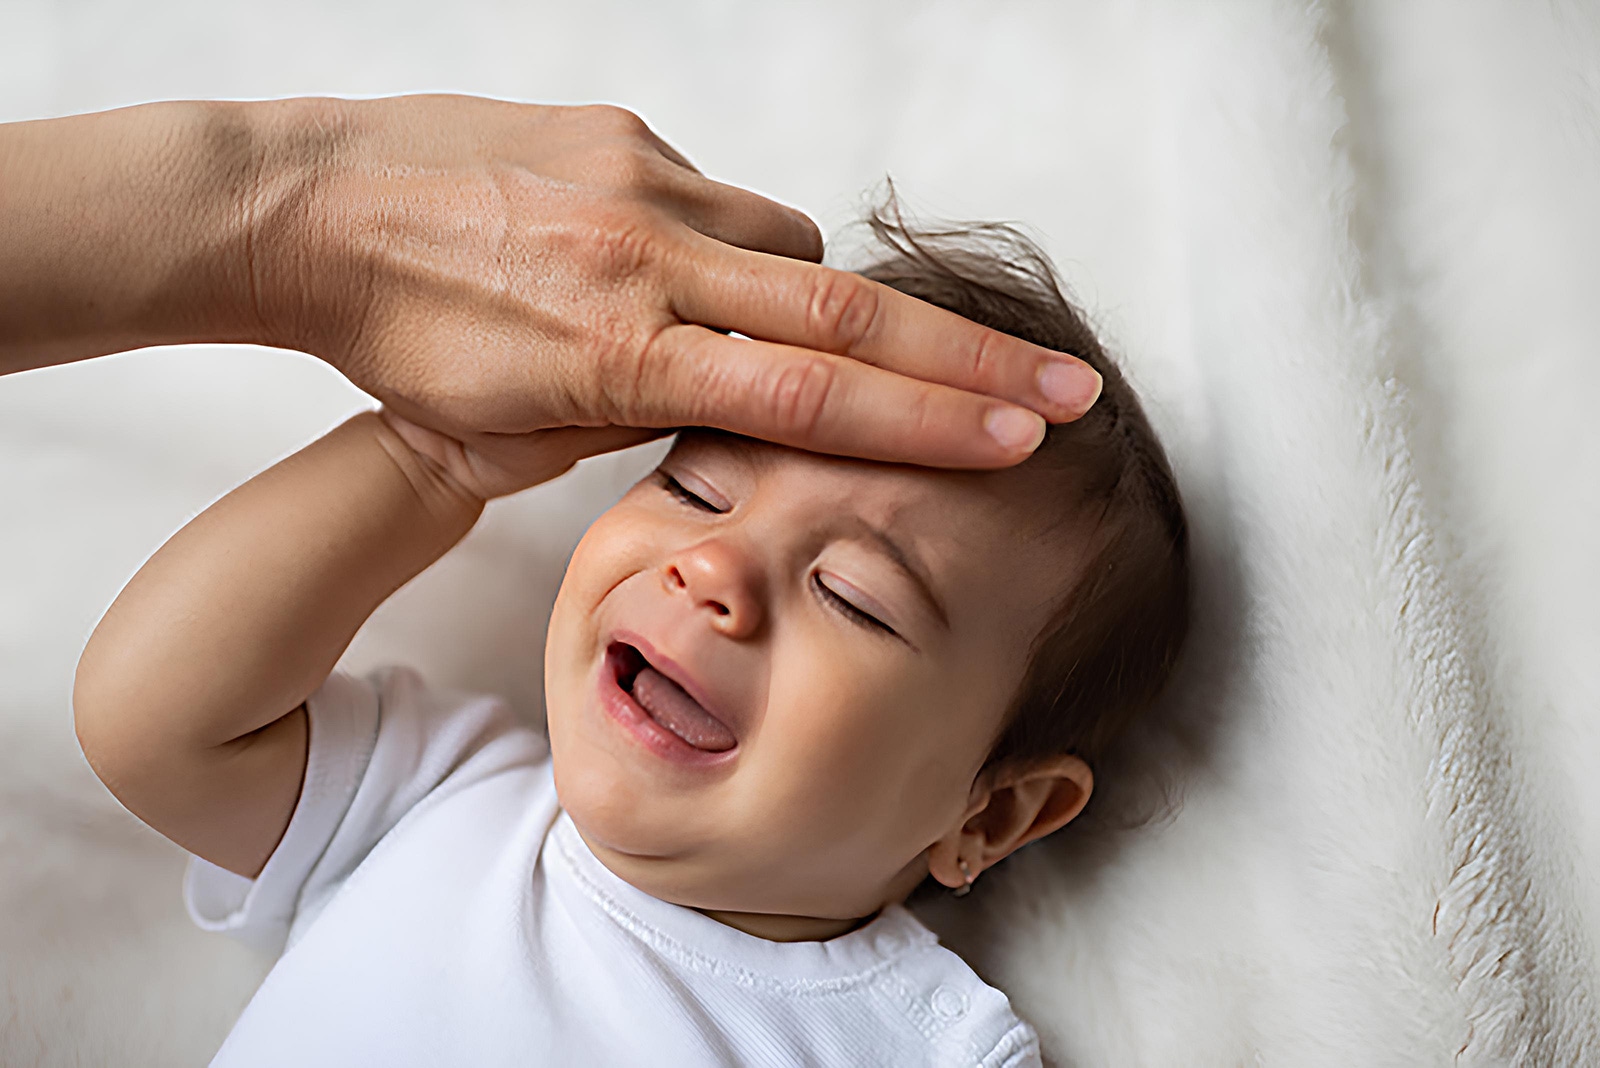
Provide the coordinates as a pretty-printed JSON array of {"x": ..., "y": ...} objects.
[
  {"x": 843, "y": 310},
  {"x": 984, "y": 363},
  {"x": 626, "y": 366},
  {"x": 625, "y": 166},
  {"x": 616, "y": 118},
  {"x": 624, "y": 247},
  {"x": 799, "y": 394},
  {"x": 922, "y": 416}
]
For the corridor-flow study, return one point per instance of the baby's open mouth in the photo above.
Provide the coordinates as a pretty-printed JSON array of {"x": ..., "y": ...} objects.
[{"x": 666, "y": 702}]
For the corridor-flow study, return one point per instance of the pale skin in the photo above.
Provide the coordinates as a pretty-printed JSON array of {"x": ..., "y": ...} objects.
[
  {"x": 492, "y": 271},
  {"x": 859, "y": 766}
]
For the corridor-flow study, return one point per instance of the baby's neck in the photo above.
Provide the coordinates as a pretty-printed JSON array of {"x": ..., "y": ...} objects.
[
  {"x": 785, "y": 928},
  {"x": 774, "y": 927}
]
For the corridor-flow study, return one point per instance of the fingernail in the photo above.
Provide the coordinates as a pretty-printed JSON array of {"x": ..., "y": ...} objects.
[
  {"x": 1073, "y": 385},
  {"x": 1015, "y": 428}
]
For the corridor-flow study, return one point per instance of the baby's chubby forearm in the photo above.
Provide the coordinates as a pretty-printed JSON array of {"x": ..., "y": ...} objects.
[
  {"x": 243, "y": 613},
  {"x": 189, "y": 694}
]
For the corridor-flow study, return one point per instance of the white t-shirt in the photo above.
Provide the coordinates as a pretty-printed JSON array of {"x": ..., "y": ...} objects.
[{"x": 440, "y": 909}]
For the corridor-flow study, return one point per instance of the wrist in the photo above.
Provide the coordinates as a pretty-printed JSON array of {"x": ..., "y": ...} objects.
[
  {"x": 301, "y": 291},
  {"x": 124, "y": 229}
]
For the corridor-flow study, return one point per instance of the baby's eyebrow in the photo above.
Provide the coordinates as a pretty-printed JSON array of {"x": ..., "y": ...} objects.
[{"x": 912, "y": 567}]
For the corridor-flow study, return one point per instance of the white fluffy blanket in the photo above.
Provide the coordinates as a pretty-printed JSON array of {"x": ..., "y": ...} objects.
[{"x": 1351, "y": 253}]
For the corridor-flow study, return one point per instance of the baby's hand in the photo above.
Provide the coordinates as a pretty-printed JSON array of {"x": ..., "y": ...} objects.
[{"x": 485, "y": 466}]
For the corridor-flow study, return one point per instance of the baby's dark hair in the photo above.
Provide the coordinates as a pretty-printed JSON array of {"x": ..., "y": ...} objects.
[{"x": 1112, "y": 639}]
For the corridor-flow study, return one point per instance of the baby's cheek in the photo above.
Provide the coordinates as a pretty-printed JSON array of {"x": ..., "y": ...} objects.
[
  {"x": 938, "y": 727},
  {"x": 562, "y": 641},
  {"x": 863, "y": 781},
  {"x": 607, "y": 554},
  {"x": 841, "y": 735}
]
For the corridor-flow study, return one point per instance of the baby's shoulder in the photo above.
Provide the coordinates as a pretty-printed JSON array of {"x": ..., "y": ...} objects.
[
  {"x": 963, "y": 1019},
  {"x": 434, "y": 730}
]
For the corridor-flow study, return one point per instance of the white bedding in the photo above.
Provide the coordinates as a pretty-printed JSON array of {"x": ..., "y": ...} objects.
[{"x": 1351, "y": 253}]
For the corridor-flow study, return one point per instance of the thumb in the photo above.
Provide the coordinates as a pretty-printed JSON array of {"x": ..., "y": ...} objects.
[{"x": 511, "y": 462}]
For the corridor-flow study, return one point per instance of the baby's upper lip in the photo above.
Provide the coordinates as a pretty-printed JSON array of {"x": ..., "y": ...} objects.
[{"x": 680, "y": 675}]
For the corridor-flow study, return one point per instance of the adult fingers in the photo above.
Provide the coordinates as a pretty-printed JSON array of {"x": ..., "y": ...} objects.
[
  {"x": 732, "y": 215},
  {"x": 819, "y": 308},
  {"x": 665, "y": 148},
  {"x": 738, "y": 217},
  {"x": 516, "y": 461},
  {"x": 692, "y": 376}
]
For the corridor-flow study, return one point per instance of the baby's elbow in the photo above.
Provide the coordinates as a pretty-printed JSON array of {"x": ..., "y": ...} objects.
[
  {"x": 101, "y": 716},
  {"x": 89, "y": 715}
]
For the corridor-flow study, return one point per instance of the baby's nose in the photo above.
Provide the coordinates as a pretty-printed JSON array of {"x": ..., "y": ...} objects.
[{"x": 721, "y": 581}]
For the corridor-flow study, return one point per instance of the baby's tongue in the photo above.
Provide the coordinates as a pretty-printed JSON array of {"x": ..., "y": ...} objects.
[{"x": 681, "y": 714}]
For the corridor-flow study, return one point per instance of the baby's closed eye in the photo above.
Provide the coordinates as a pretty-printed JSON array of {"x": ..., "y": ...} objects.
[
  {"x": 848, "y": 608},
  {"x": 688, "y": 496}
]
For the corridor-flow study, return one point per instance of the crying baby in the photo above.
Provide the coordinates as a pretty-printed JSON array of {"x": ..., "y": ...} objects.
[{"x": 783, "y": 691}]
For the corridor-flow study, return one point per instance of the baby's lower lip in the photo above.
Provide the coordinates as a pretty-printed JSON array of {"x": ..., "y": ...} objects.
[{"x": 620, "y": 707}]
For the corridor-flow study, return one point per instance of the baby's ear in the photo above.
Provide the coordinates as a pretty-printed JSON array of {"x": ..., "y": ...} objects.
[
  {"x": 1009, "y": 808},
  {"x": 1028, "y": 803}
]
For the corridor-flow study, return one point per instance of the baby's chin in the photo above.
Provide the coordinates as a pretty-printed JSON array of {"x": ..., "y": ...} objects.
[
  {"x": 663, "y": 865},
  {"x": 675, "y": 858},
  {"x": 613, "y": 806}
]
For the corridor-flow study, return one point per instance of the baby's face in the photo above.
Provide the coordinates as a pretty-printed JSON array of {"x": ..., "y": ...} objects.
[{"x": 772, "y": 676}]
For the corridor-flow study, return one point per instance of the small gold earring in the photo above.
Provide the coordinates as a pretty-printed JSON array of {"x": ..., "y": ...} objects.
[{"x": 966, "y": 873}]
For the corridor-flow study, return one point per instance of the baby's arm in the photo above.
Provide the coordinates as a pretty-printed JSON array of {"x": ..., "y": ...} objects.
[{"x": 190, "y": 697}]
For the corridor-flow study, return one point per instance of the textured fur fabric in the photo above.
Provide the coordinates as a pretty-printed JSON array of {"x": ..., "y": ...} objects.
[{"x": 1349, "y": 252}]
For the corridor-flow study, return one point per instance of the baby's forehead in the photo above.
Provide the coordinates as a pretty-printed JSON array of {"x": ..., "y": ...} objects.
[
  {"x": 768, "y": 461},
  {"x": 978, "y": 510}
]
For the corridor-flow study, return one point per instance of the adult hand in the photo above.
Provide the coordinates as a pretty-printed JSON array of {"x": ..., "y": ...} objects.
[{"x": 489, "y": 269}]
